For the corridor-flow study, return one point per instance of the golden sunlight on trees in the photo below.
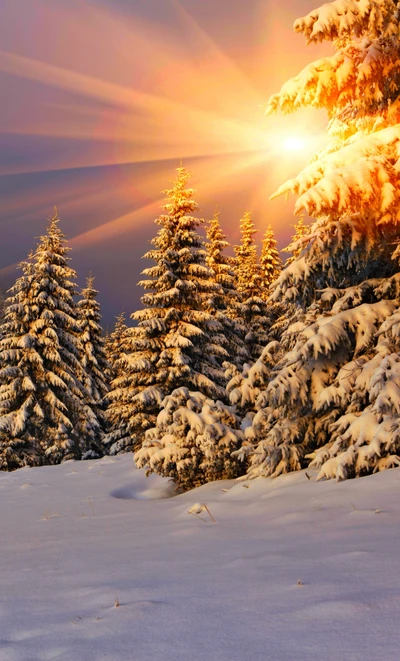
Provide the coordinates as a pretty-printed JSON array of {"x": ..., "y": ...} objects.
[{"x": 332, "y": 393}]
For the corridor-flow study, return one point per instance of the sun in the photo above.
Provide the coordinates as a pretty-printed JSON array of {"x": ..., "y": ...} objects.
[
  {"x": 114, "y": 123},
  {"x": 294, "y": 143}
]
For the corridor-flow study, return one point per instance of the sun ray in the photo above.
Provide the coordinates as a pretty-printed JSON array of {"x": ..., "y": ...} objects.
[
  {"x": 116, "y": 226},
  {"x": 222, "y": 133},
  {"x": 133, "y": 114},
  {"x": 241, "y": 90},
  {"x": 84, "y": 84}
]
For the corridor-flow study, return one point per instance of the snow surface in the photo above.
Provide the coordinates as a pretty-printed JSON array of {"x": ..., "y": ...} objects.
[{"x": 78, "y": 536}]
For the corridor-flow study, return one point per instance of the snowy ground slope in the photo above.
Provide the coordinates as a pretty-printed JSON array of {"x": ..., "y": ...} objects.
[{"x": 75, "y": 537}]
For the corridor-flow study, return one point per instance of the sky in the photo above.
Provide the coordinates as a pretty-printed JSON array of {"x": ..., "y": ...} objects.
[{"x": 100, "y": 101}]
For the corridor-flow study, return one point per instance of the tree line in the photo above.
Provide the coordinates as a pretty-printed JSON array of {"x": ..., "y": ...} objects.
[{"x": 67, "y": 390}]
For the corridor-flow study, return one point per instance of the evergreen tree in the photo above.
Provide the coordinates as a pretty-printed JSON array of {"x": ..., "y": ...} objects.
[
  {"x": 94, "y": 361},
  {"x": 333, "y": 394},
  {"x": 42, "y": 409},
  {"x": 297, "y": 243},
  {"x": 245, "y": 386},
  {"x": 288, "y": 310},
  {"x": 193, "y": 441},
  {"x": 223, "y": 304},
  {"x": 248, "y": 278},
  {"x": 114, "y": 344},
  {"x": 177, "y": 341},
  {"x": 270, "y": 261},
  {"x": 252, "y": 308},
  {"x": 134, "y": 399},
  {"x": 220, "y": 264}
]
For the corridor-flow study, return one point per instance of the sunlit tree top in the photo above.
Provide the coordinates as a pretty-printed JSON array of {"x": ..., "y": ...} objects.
[{"x": 359, "y": 88}]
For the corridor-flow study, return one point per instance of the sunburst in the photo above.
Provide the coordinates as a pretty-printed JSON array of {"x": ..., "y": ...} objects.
[{"x": 129, "y": 92}]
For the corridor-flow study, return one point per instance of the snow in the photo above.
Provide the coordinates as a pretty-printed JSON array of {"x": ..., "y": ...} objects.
[
  {"x": 292, "y": 570},
  {"x": 356, "y": 173},
  {"x": 342, "y": 17}
]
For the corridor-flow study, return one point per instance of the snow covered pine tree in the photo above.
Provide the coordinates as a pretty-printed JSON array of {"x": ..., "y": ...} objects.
[
  {"x": 193, "y": 442},
  {"x": 270, "y": 261},
  {"x": 42, "y": 397},
  {"x": 177, "y": 341},
  {"x": 251, "y": 308},
  {"x": 297, "y": 243},
  {"x": 94, "y": 361},
  {"x": 224, "y": 303},
  {"x": 334, "y": 395},
  {"x": 114, "y": 344}
]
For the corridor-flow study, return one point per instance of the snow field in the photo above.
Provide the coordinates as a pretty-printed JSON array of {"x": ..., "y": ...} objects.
[{"x": 293, "y": 570}]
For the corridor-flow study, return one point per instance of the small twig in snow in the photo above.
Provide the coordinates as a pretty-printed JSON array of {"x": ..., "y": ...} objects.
[{"x": 211, "y": 516}]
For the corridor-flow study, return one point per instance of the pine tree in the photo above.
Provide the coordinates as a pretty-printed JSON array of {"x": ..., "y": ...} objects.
[
  {"x": 223, "y": 304},
  {"x": 288, "y": 310},
  {"x": 193, "y": 441},
  {"x": 270, "y": 261},
  {"x": 42, "y": 409},
  {"x": 248, "y": 280},
  {"x": 252, "y": 308},
  {"x": 94, "y": 361},
  {"x": 219, "y": 263},
  {"x": 297, "y": 243},
  {"x": 114, "y": 344},
  {"x": 333, "y": 394},
  {"x": 134, "y": 399},
  {"x": 177, "y": 341}
]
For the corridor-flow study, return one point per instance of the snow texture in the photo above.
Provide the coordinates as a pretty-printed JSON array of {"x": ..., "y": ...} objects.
[{"x": 292, "y": 570}]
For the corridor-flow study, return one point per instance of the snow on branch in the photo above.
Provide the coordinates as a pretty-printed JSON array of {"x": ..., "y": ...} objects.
[
  {"x": 343, "y": 18},
  {"x": 363, "y": 175}
]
